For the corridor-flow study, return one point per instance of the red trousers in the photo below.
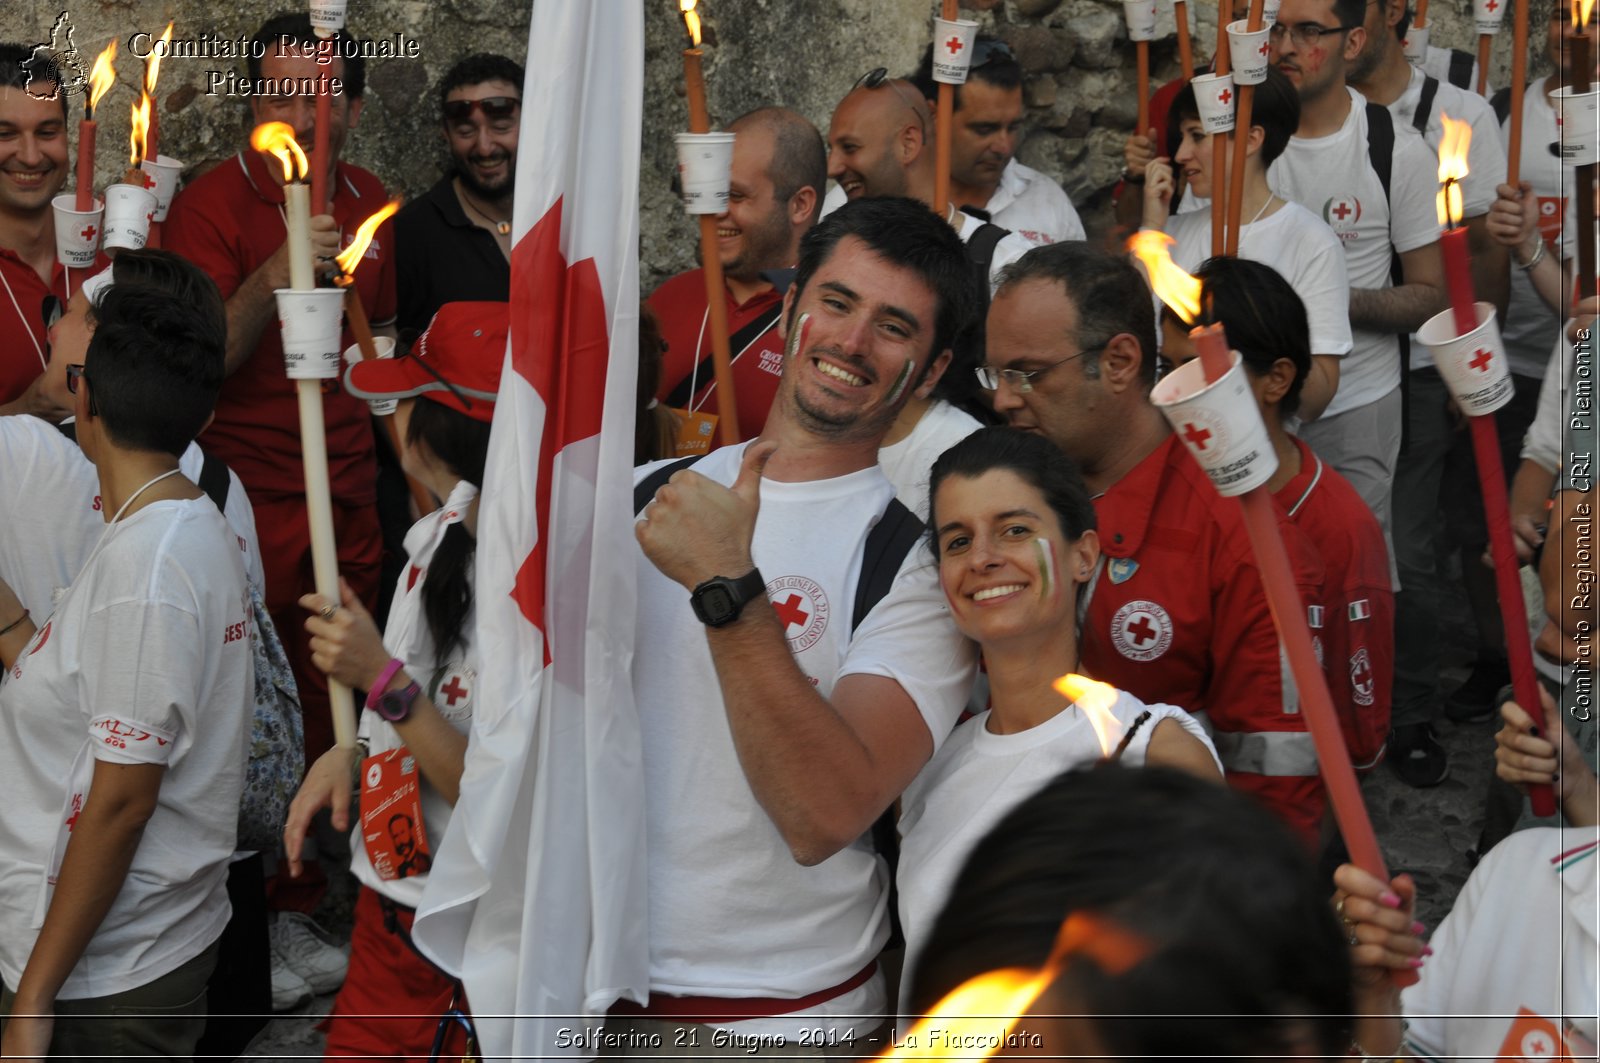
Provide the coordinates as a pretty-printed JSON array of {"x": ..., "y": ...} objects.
[
  {"x": 392, "y": 999},
  {"x": 285, "y": 537}
]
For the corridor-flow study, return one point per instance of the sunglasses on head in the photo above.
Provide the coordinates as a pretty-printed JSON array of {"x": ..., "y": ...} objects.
[
  {"x": 878, "y": 77},
  {"x": 494, "y": 108},
  {"x": 984, "y": 51}
]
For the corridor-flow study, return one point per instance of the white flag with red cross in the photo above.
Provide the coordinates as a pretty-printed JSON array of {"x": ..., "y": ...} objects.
[{"x": 537, "y": 896}]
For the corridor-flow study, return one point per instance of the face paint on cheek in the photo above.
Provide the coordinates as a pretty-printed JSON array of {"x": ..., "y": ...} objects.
[
  {"x": 1047, "y": 568},
  {"x": 900, "y": 383},
  {"x": 797, "y": 338}
]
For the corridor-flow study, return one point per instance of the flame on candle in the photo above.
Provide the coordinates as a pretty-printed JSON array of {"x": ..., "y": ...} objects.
[
  {"x": 101, "y": 78},
  {"x": 1095, "y": 699},
  {"x": 138, "y": 129},
  {"x": 1171, "y": 284},
  {"x": 1582, "y": 11},
  {"x": 152, "y": 64},
  {"x": 1452, "y": 168},
  {"x": 277, "y": 139},
  {"x": 350, "y": 257},
  {"x": 692, "y": 20}
]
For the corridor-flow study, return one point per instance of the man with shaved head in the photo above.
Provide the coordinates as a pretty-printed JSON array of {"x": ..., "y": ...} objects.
[{"x": 778, "y": 173}]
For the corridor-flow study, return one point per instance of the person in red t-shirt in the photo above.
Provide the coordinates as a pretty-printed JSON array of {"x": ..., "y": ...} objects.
[
  {"x": 1354, "y": 624},
  {"x": 1176, "y": 612},
  {"x": 33, "y": 284},
  {"x": 230, "y": 222},
  {"x": 778, "y": 172}
]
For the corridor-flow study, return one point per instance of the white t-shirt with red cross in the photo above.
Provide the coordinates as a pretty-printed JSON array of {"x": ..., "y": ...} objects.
[
  {"x": 146, "y": 660},
  {"x": 731, "y": 912},
  {"x": 1333, "y": 178}
]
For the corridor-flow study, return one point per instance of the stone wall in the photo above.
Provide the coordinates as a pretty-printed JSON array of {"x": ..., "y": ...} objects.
[{"x": 1080, "y": 85}]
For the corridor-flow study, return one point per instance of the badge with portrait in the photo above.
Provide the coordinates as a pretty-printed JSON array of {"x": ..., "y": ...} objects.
[{"x": 391, "y": 815}]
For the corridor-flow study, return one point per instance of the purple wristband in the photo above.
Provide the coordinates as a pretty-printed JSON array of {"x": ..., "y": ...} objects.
[{"x": 394, "y": 665}]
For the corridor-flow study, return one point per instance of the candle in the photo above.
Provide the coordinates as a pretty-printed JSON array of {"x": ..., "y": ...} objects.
[
  {"x": 152, "y": 71},
  {"x": 1180, "y": 15},
  {"x": 710, "y": 257},
  {"x": 1582, "y": 67},
  {"x": 101, "y": 79},
  {"x": 944, "y": 125}
]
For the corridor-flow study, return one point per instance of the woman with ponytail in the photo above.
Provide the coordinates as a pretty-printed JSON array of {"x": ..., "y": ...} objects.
[{"x": 421, "y": 676}]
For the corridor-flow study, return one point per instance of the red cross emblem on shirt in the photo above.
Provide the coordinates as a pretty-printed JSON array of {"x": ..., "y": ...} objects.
[
  {"x": 955, "y": 44},
  {"x": 1480, "y": 360},
  {"x": 453, "y": 691},
  {"x": 88, "y": 232},
  {"x": 1196, "y": 436},
  {"x": 1342, "y": 209},
  {"x": 1225, "y": 96},
  {"x": 789, "y": 611},
  {"x": 1142, "y": 631}
]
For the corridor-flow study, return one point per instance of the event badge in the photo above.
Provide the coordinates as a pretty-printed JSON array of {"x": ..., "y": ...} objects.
[
  {"x": 391, "y": 815},
  {"x": 696, "y": 430}
]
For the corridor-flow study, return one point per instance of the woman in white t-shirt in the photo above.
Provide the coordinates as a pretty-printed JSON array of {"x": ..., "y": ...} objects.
[
  {"x": 1013, "y": 531},
  {"x": 421, "y": 676},
  {"x": 125, "y": 713},
  {"x": 1274, "y": 231}
]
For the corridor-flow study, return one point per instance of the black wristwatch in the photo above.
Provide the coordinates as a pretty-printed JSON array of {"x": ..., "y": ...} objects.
[
  {"x": 719, "y": 600},
  {"x": 395, "y": 705}
]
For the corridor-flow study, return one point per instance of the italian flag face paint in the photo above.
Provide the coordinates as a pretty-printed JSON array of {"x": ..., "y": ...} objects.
[
  {"x": 1047, "y": 567},
  {"x": 900, "y": 383},
  {"x": 797, "y": 338}
]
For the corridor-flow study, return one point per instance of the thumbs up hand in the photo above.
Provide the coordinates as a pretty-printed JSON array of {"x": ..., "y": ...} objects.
[{"x": 695, "y": 528}]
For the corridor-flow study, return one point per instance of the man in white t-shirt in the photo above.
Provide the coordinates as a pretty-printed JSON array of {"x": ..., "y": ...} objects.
[
  {"x": 1327, "y": 170},
  {"x": 777, "y": 725}
]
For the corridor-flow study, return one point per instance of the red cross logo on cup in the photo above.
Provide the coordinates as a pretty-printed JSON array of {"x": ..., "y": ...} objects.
[
  {"x": 1265, "y": 49},
  {"x": 88, "y": 232},
  {"x": 1196, "y": 436},
  {"x": 1492, "y": 6},
  {"x": 955, "y": 44},
  {"x": 1225, "y": 97},
  {"x": 1480, "y": 360}
]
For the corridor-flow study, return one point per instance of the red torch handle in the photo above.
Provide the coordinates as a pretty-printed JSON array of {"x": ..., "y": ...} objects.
[{"x": 84, "y": 197}]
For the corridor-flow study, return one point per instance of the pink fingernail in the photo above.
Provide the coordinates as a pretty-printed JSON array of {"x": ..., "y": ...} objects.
[
  {"x": 1427, "y": 950},
  {"x": 1415, "y": 963},
  {"x": 1389, "y": 899},
  {"x": 1418, "y": 929}
]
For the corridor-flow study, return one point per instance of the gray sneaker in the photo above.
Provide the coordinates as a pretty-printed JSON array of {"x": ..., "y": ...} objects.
[
  {"x": 304, "y": 947},
  {"x": 289, "y": 990}
]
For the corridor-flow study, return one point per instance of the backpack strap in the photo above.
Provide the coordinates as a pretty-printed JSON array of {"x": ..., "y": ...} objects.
[
  {"x": 214, "y": 479},
  {"x": 980, "y": 252},
  {"x": 1501, "y": 102},
  {"x": 888, "y": 543},
  {"x": 751, "y": 332},
  {"x": 1461, "y": 64},
  {"x": 1380, "y": 152},
  {"x": 1430, "y": 89},
  {"x": 1380, "y": 144},
  {"x": 646, "y": 489}
]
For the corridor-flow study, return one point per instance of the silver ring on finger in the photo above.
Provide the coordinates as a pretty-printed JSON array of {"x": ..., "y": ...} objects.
[{"x": 327, "y": 612}]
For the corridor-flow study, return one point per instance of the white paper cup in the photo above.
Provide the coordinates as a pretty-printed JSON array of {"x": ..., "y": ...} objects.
[
  {"x": 1249, "y": 52},
  {"x": 327, "y": 16},
  {"x": 312, "y": 322},
  {"x": 1489, "y": 14},
  {"x": 162, "y": 179},
  {"x": 1580, "y": 126},
  {"x": 77, "y": 231},
  {"x": 1214, "y": 96},
  {"x": 129, "y": 209},
  {"x": 1473, "y": 366},
  {"x": 385, "y": 348},
  {"x": 1269, "y": 12},
  {"x": 1415, "y": 45},
  {"x": 1141, "y": 17},
  {"x": 704, "y": 160},
  {"x": 952, "y": 49},
  {"x": 1220, "y": 424}
]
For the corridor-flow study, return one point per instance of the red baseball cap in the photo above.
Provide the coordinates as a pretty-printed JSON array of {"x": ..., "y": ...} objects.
[{"x": 456, "y": 362}]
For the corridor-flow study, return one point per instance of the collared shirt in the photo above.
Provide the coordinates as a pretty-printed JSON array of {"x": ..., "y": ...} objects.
[
  {"x": 229, "y": 222},
  {"x": 1032, "y": 205},
  {"x": 24, "y": 338},
  {"x": 442, "y": 257}
]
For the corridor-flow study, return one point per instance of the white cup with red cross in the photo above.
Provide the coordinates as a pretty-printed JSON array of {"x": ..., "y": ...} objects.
[
  {"x": 1473, "y": 366},
  {"x": 952, "y": 49},
  {"x": 1489, "y": 14},
  {"x": 1141, "y": 16},
  {"x": 1580, "y": 125},
  {"x": 1249, "y": 52},
  {"x": 312, "y": 322},
  {"x": 1214, "y": 97},
  {"x": 1415, "y": 45},
  {"x": 704, "y": 170},
  {"x": 129, "y": 209},
  {"x": 1220, "y": 424},
  {"x": 77, "y": 231},
  {"x": 161, "y": 177}
]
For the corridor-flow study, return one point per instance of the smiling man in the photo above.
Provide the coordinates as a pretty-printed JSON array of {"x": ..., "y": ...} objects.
[
  {"x": 778, "y": 170},
  {"x": 778, "y": 722},
  {"x": 453, "y": 243}
]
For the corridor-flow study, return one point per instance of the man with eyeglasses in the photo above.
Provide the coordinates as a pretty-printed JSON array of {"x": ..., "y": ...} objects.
[
  {"x": 230, "y": 222},
  {"x": 33, "y": 284},
  {"x": 453, "y": 243},
  {"x": 1328, "y": 169},
  {"x": 1176, "y": 611}
]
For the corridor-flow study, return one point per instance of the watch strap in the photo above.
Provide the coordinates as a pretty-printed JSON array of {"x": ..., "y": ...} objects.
[{"x": 382, "y": 682}]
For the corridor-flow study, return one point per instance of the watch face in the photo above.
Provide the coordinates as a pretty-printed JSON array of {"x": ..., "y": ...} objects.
[
  {"x": 395, "y": 705},
  {"x": 717, "y": 602}
]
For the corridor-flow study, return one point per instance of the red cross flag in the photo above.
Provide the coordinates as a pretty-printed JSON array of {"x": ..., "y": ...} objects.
[{"x": 536, "y": 898}]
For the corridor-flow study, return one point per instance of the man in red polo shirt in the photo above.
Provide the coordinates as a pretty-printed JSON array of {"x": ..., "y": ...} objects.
[
  {"x": 1176, "y": 613},
  {"x": 230, "y": 222},
  {"x": 33, "y": 169},
  {"x": 778, "y": 172}
]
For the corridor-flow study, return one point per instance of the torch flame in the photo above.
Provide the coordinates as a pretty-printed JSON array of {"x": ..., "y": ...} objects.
[
  {"x": 139, "y": 129},
  {"x": 1452, "y": 168},
  {"x": 103, "y": 76},
  {"x": 692, "y": 20},
  {"x": 152, "y": 65},
  {"x": 1582, "y": 11},
  {"x": 1095, "y": 699},
  {"x": 277, "y": 139},
  {"x": 1171, "y": 284},
  {"x": 350, "y": 257}
]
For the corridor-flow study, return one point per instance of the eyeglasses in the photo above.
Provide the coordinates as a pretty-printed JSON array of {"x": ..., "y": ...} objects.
[
  {"x": 494, "y": 108},
  {"x": 1306, "y": 34},
  {"x": 74, "y": 373},
  {"x": 878, "y": 77},
  {"x": 1022, "y": 379}
]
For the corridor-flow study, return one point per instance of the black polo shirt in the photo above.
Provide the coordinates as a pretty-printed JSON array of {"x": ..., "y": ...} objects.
[{"x": 442, "y": 257}]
